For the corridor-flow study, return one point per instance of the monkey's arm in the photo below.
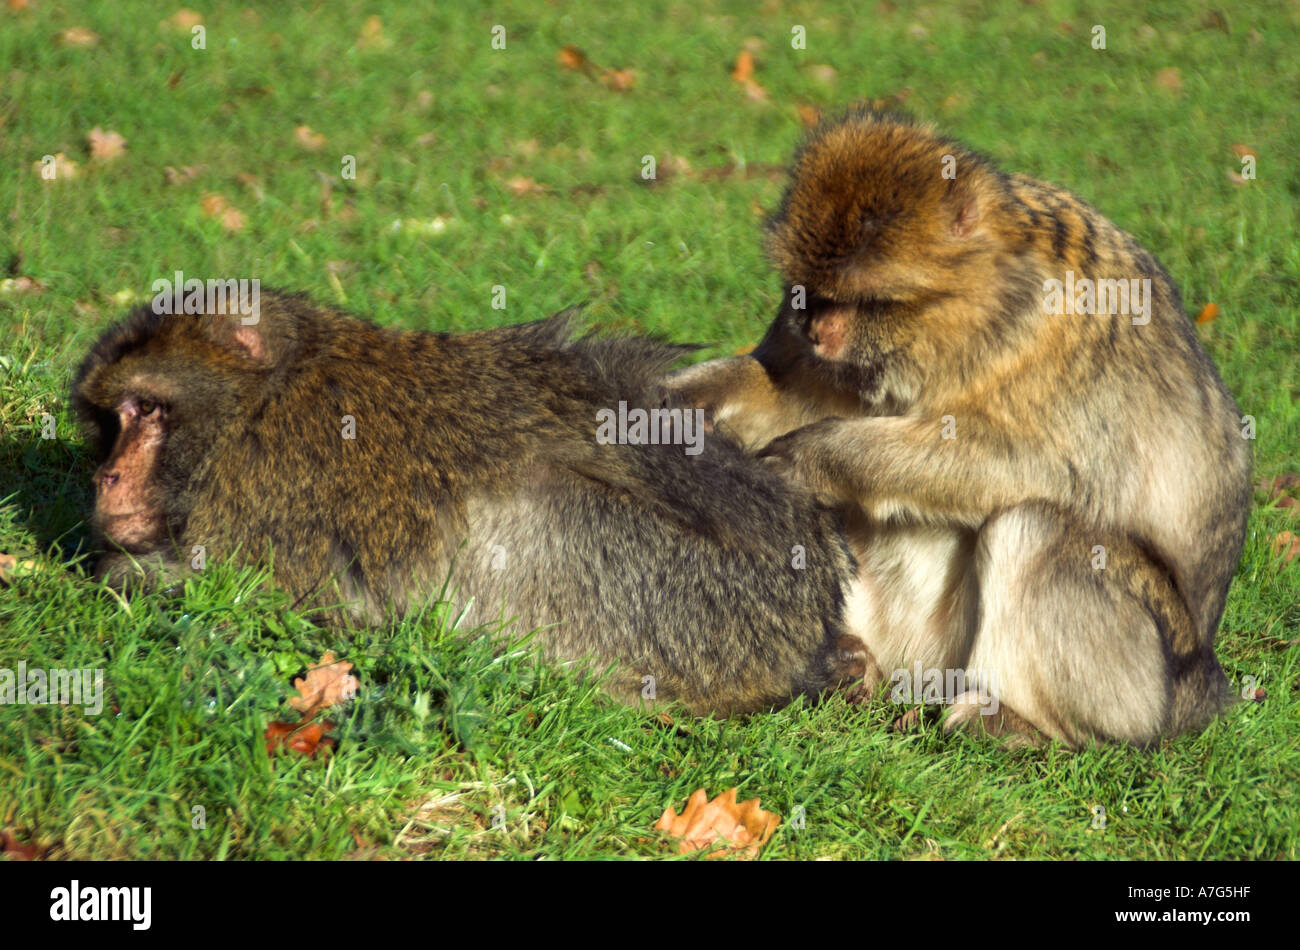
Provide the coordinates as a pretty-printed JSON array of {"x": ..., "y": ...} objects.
[
  {"x": 901, "y": 464},
  {"x": 740, "y": 398}
]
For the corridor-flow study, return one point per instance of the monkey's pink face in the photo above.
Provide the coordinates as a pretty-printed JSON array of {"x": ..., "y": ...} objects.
[{"x": 128, "y": 507}]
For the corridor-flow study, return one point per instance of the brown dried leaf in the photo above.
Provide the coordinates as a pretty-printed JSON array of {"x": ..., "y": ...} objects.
[
  {"x": 326, "y": 684},
  {"x": 77, "y": 36},
  {"x": 743, "y": 827},
  {"x": 521, "y": 186},
  {"x": 64, "y": 168},
  {"x": 216, "y": 206},
  {"x": 1241, "y": 151},
  {"x": 572, "y": 57},
  {"x": 307, "y": 738},
  {"x": 372, "y": 34},
  {"x": 306, "y": 138},
  {"x": 18, "y": 851},
  {"x": 809, "y": 116},
  {"x": 1170, "y": 79},
  {"x": 1209, "y": 313},
  {"x": 183, "y": 20},
  {"x": 1287, "y": 545},
  {"x": 184, "y": 174},
  {"x": 618, "y": 80},
  {"x": 105, "y": 145},
  {"x": 743, "y": 71}
]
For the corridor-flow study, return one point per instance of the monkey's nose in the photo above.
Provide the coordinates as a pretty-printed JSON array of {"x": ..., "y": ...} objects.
[{"x": 109, "y": 479}]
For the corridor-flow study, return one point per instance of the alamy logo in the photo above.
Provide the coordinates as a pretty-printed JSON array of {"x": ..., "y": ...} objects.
[
  {"x": 238, "y": 297},
  {"x": 103, "y": 903},
  {"x": 65, "y": 687},
  {"x": 651, "y": 427},
  {"x": 1105, "y": 297},
  {"x": 935, "y": 685}
]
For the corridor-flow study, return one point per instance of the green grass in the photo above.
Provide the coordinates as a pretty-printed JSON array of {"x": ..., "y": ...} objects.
[{"x": 444, "y": 735}]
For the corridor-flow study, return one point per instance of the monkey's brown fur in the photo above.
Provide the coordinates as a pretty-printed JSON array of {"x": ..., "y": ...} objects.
[
  {"x": 674, "y": 566},
  {"x": 1073, "y": 437}
]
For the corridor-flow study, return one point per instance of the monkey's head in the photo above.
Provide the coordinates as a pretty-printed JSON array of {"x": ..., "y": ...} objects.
[
  {"x": 881, "y": 217},
  {"x": 154, "y": 395}
]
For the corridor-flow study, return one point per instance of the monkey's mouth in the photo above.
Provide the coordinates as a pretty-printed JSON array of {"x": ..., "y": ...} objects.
[{"x": 131, "y": 530}]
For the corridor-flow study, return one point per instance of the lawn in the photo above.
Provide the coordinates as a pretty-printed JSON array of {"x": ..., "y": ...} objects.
[{"x": 478, "y": 167}]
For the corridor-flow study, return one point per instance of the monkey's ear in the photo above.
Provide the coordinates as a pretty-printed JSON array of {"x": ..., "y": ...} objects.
[
  {"x": 251, "y": 342},
  {"x": 965, "y": 210}
]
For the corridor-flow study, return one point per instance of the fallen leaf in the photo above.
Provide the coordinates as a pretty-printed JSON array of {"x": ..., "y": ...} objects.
[
  {"x": 311, "y": 141},
  {"x": 183, "y": 20},
  {"x": 619, "y": 80},
  {"x": 16, "y": 850},
  {"x": 105, "y": 145},
  {"x": 1287, "y": 545},
  {"x": 18, "y": 6},
  {"x": 744, "y": 68},
  {"x": 809, "y": 116},
  {"x": 372, "y": 34},
  {"x": 64, "y": 168},
  {"x": 743, "y": 828},
  {"x": 823, "y": 73},
  {"x": 216, "y": 206},
  {"x": 572, "y": 57},
  {"x": 12, "y": 569},
  {"x": 1209, "y": 313},
  {"x": 184, "y": 174},
  {"x": 307, "y": 738},
  {"x": 77, "y": 36},
  {"x": 521, "y": 186},
  {"x": 1241, "y": 151},
  {"x": 326, "y": 684},
  {"x": 1170, "y": 79},
  {"x": 21, "y": 285}
]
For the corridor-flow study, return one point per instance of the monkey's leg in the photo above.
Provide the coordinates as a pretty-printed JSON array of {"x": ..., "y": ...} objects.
[{"x": 1082, "y": 636}]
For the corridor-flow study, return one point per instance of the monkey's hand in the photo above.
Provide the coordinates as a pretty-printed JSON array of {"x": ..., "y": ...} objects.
[
  {"x": 738, "y": 396},
  {"x": 806, "y": 458}
]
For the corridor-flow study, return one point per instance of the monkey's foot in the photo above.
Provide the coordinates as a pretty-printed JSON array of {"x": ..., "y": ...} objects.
[
  {"x": 915, "y": 718},
  {"x": 977, "y": 714}
]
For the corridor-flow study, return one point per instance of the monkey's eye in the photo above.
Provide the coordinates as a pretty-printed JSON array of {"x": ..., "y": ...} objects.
[{"x": 147, "y": 408}]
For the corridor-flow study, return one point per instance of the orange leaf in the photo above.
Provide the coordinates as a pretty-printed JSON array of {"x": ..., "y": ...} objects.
[
  {"x": 1241, "y": 151},
  {"x": 1287, "y": 545},
  {"x": 619, "y": 80},
  {"x": 216, "y": 206},
  {"x": 743, "y": 828},
  {"x": 311, "y": 141},
  {"x": 105, "y": 146},
  {"x": 520, "y": 186},
  {"x": 1170, "y": 79},
  {"x": 77, "y": 36},
  {"x": 183, "y": 20},
  {"x": 744, "y": 68},
  {"x": 809, "y": 116},
  {"x": 307, "y": 738},
  {"x": 572, "y": 57},
  {"x": 326, "y": 684},
  {"x": 1208, "y": 314}
]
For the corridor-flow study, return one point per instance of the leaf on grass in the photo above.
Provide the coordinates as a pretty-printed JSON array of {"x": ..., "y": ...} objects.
[
  {"x": 306, "y": 737},
  {"x": 1170, "y": 79},
  {"x": 618, "y": 80},
  {"x": 372, "y": 34},
  {"x": 327, "y": 684},
  {"x": 1287, "y": 545},
  {"x": 573, "y": 58},
  {"x": 1279, "y": 490},
  {"x": 306, "y": 138},
  {"x": 105, "y": 145},
  {"x": 216, "y": 206},
  {"x": 183, "y": 20},
  {"x": 742, "y": 828},
  {"x": 17, "y": 851},
  {"x": 1209, "y": 313},
  {"x": 743, "y": 73},
  {"x": 809, "y": 116},
  {"x": 64, "y": 168},
  {"x": 1241, "y": 151},
  {"x": 11, "y": 569},
  {"x": 21, "y": 285},
  {"x": 77, "y": 36},
  {"x": 184, "y": 174},
  {"x": 520, "y": 186}
]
